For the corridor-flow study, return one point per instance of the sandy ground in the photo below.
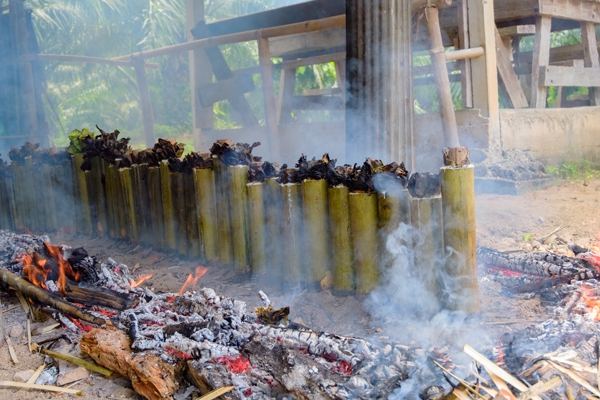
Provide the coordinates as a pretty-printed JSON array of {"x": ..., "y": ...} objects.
[{"x": 502, "y": 223}]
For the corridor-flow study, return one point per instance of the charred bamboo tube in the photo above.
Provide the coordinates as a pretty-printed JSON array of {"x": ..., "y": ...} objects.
[
  {"x": 316, "y": 228},
  {"x": 19, "y": 217},
  {"x": 393, "y": 209},
  {"x": 342, "y": 252},
  {"x": 222, "y": 184},
  {"x": 206, "y": 200},
  {"x": 50, "y": 206},
  {"x": 179, "y": 212},
  {"x": 256, "y": 217},
  {"x": 428, "y": 242},
  {"x": 292, "y": 234},
  {"x": 82, "y": 192},
  {"x": 458, "y": 199},
  {"x": 191, "y": 217},
  {"x": 363, "y": 224},
  {"x": 273, "y": 228},
  {"x": 156, "y": 209},
  {"x": 99, "y": 195},
  {"x": 167, "y": 202},
  {"x": 128, "y": 196},
  {"x": 239, "y": 215}
]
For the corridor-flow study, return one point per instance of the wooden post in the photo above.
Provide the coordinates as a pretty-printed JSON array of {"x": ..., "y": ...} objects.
[
  {"x": 264, "y": 58},
  {"x": 286, "y": 93},
  {"x": 590, "y": 56},
  {"x": 508, "y": 75},
  {"x": 442, "y": 82},
  {"x": 145, "y": 104},
  {"x": 200, "y": 73},
  {"x": 541, "y": 58},
  {"x": 463, "y": 43}
]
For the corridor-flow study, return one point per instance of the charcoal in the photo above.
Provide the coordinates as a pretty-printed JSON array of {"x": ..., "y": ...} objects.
[
  {"x": 237, "y": 154},
  {"x": 576, "y": 249},
  {"x": 422, "y": 185}
]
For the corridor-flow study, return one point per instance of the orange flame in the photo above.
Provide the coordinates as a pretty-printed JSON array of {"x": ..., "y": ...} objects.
[
  {"x": 190, "y": 282},
  {"x": 142, "y": 279},
  {"x": 591, "y": 300},
  {"x": 37, "y": 269}
]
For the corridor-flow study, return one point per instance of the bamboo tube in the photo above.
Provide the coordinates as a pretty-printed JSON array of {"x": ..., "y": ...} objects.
[
  {"x": 178, "y": 200},
  {"x": 18, "y": 196},
  {"x": 29, "y": 187},
  {"x": 167, "y": 202},
  {"x": 82, "y": 191},
  {"x": 142, "y": 201},
  {"x": 222, "y": 184},
  {"x": 206, "y": 202},
  {"x": 393, "y": 209},
  {"x": 292, "y": 234},
  {"x": 39, "y": 207},
  {"x": 239, "y": 216},
  {"x": 156, "y": 209},
  {"x": 62, "y": 192},
  {"x": 4, "y": 206},
  {"x": 191, "y": 217},
  {"x": 363, "y": 224},
  {"x": 8, "y": 182},
  {"x": 98, "y": 166},
  {"x": 68, "y": 180},
  {"x": 342, "y": 252},
  {"x": 256, "y": 217},
  {"x": 51, "y": 223},
  {"x": 428, "y": 242},
  {"x": 274, "y": 229},
  {"x": 458, "y": 199},
  {"x": 316, "y": 229},
  {"x": 111, "y": 201},
  {"x": 130, "y": 221}
]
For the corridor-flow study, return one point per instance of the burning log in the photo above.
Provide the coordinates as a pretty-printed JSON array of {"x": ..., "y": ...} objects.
[
  {"x": 204, "y": 179},
  {"x": 150, "y": 376},
  {"x": 292, "y": 233},
  {"x": 98, "y": 297},
  {"x": 167, "y": 203},
  {"x": 341, "y": 240},
  {"x": 316, "y": 228},
  {"x": 238, "y": 202},
  {"x": 363, "y": 224},
  {"x": 222, "y": 185},
  {"x": 256, "y": 218}
]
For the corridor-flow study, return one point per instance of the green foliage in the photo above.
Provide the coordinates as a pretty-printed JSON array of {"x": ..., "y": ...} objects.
[
  {"x": 527, "y": 237},
  {"x": 76, "y": 138},
  {"x": 574, "y": 170}
]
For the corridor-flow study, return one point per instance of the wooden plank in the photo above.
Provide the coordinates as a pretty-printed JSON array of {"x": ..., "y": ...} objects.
[
  {"x": 508, "y": 76},
  {"x": 308, "y": 42},
  {"x": 517, "y": 30},
  {"x": 212, "y": 92},
  {"x": 569, "y": 76},
  {"x": 317, "y": 102},
  {"x": 590, "y": 55},
  {"x": 287, "y": 82},
  {"x": 266, "y": 72},
  {"x": 571, "y": 9},
  {"x": 145, "y": 104},
  {"x": 541, "y": 58}
]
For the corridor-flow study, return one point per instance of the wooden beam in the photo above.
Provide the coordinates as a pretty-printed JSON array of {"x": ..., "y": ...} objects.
[
  {"x": 590, "y": 55},
  {"x": 266, "y": 72},
  {"x": 210, "y": 93},
  {"x": 571, "y": 9},
  {"x": 317, "y": 102},
  {"x": 84, "y": 59},
  {"x": 463, "y": 54},
  {"x": 308, "y": 42},
  {"x": 517, "y": 30},
  {"x": 541, "y": 58},
  {"x": 569, "y": 76},
  {"x": 508, "y": 76}
]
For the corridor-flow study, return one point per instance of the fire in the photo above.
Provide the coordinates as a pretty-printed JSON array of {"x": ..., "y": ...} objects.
[
  {"x": 591, "y": 300},
  {"x": 38, "y": 270},
  {"x": 190, "y": 282},
  {"x": 142, "y": 279},
  {"x": 236, "y": 365}
]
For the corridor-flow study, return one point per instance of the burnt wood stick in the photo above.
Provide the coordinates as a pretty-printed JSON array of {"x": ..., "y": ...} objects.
[
  {"x": 191, "y": 217},
  {"x": 97, "y": 297},
  {"x": 542, "y": 284},
  {"x": 47, "y": 298},
  {"x": 156, "y": 208}
]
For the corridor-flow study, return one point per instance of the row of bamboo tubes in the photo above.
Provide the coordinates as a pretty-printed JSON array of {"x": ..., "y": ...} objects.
[{"x": 290, "y": 233}]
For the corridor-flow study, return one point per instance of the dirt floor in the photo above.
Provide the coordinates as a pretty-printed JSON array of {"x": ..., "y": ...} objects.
[{"x": 503, "y": 223}]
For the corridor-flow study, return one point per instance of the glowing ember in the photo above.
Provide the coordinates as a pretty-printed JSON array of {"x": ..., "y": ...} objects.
[
  {"x": 190, "y": 282},
  {"x": 236, "y": 365},
  {"x": 177, "y": 353},
  {"x": 142, "y": 279},
  {"x": 64, "y": 268},
  {"x": 38, "y": 270},
  {"x": 343, "y": 368}
]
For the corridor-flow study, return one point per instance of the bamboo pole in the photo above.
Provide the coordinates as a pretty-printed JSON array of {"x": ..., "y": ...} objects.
[
  {"x": 129, "y": 203},
  {"x": 4, "y": 206},
  {"x": 179, "y": 212},
  {"x": 458, "y": 199},
  {"x": 28, "y": 191},
  {"x": 139, "y": 178},
  {"x": 393, "y": 209},
  {"x": 167, "y": 202},
  {"x": 239, "y": 216},
  {"x": 156, "y": 208},
  {"x": 19, "y": 217},
  {"x": 342, "y": 250},
  {"x": 191, "y": 217},
  {"x": 51, "y": 223},
  {"x": 428, "y": 242},
  {"x": 11, "y": 204},
  {"x": 144, "y": 98},
  {"x": 291, "y": 197},
  {"x": 316, "y": 229},
  {"x": 256, "y": 218},
  {"x": 111, "y": 203},
  {"x": 39, "y": 207},
  {"x": 222, "y": 184},
  {"x": 463, "y": 54},
  {"x": 273, "y": 229},
  {"x": 206, "y": 200},
  {"x": 99, "y": 194},
  {"x": 82, "y": 192},
  {"x": 363, "y": 224}
]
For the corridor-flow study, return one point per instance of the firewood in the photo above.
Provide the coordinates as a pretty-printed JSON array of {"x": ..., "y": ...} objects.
[
  {"x": 36, "y": 374},
  {"x": 576, "y": 377},
  {"x": 40, "y": 387},
  {"x": 92, "y": 296},
  {"x": 47, "y": 298},
  {"x": 4, "y": 335},
  {"x": 73, "y": 360},
  {"x": 150, "y": 376},
  {"x": 216, "y": 393}
]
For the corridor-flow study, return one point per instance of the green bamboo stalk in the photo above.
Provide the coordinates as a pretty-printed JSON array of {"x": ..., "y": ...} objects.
[
  {"x": 274, "y": 229},
  {"x": 128, "y": 196},
  {"x": 428, "y": 242},
  {"x": 30, "y": 197},
  {"x": 111, "y": 197},
  {"x": 18, "y": 196},
  {"x": 316, "y": 229},
  {"x": 256, "y": 218},
  {"x": 138, "y": 176},
  {"x": 293, "y": 273},
  {"x": 206, "y": 200},
  {"x": 99, "y": 195},
  {"x": 82, "y": 192},
  {"x": 11, "y": 206},
  {"x": 239, "y": 216},
  {"x": 156, "y": 209},
  {"x": 179, "y": 212},
  {"x": 393, "y": 209},
  {"x": 363, "y": 224},
  {"x": 51, "y": 223},
  {"x": 458, "y": 200},
  {"x": 67, "y": 179},
  {"x": 342, "y": 250},
  {"x": 191, "y": 217},
  {"x": 167, "y": 202},
  {"x": 222, "y": 184},
  {"x": 39, "y": 221}
]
